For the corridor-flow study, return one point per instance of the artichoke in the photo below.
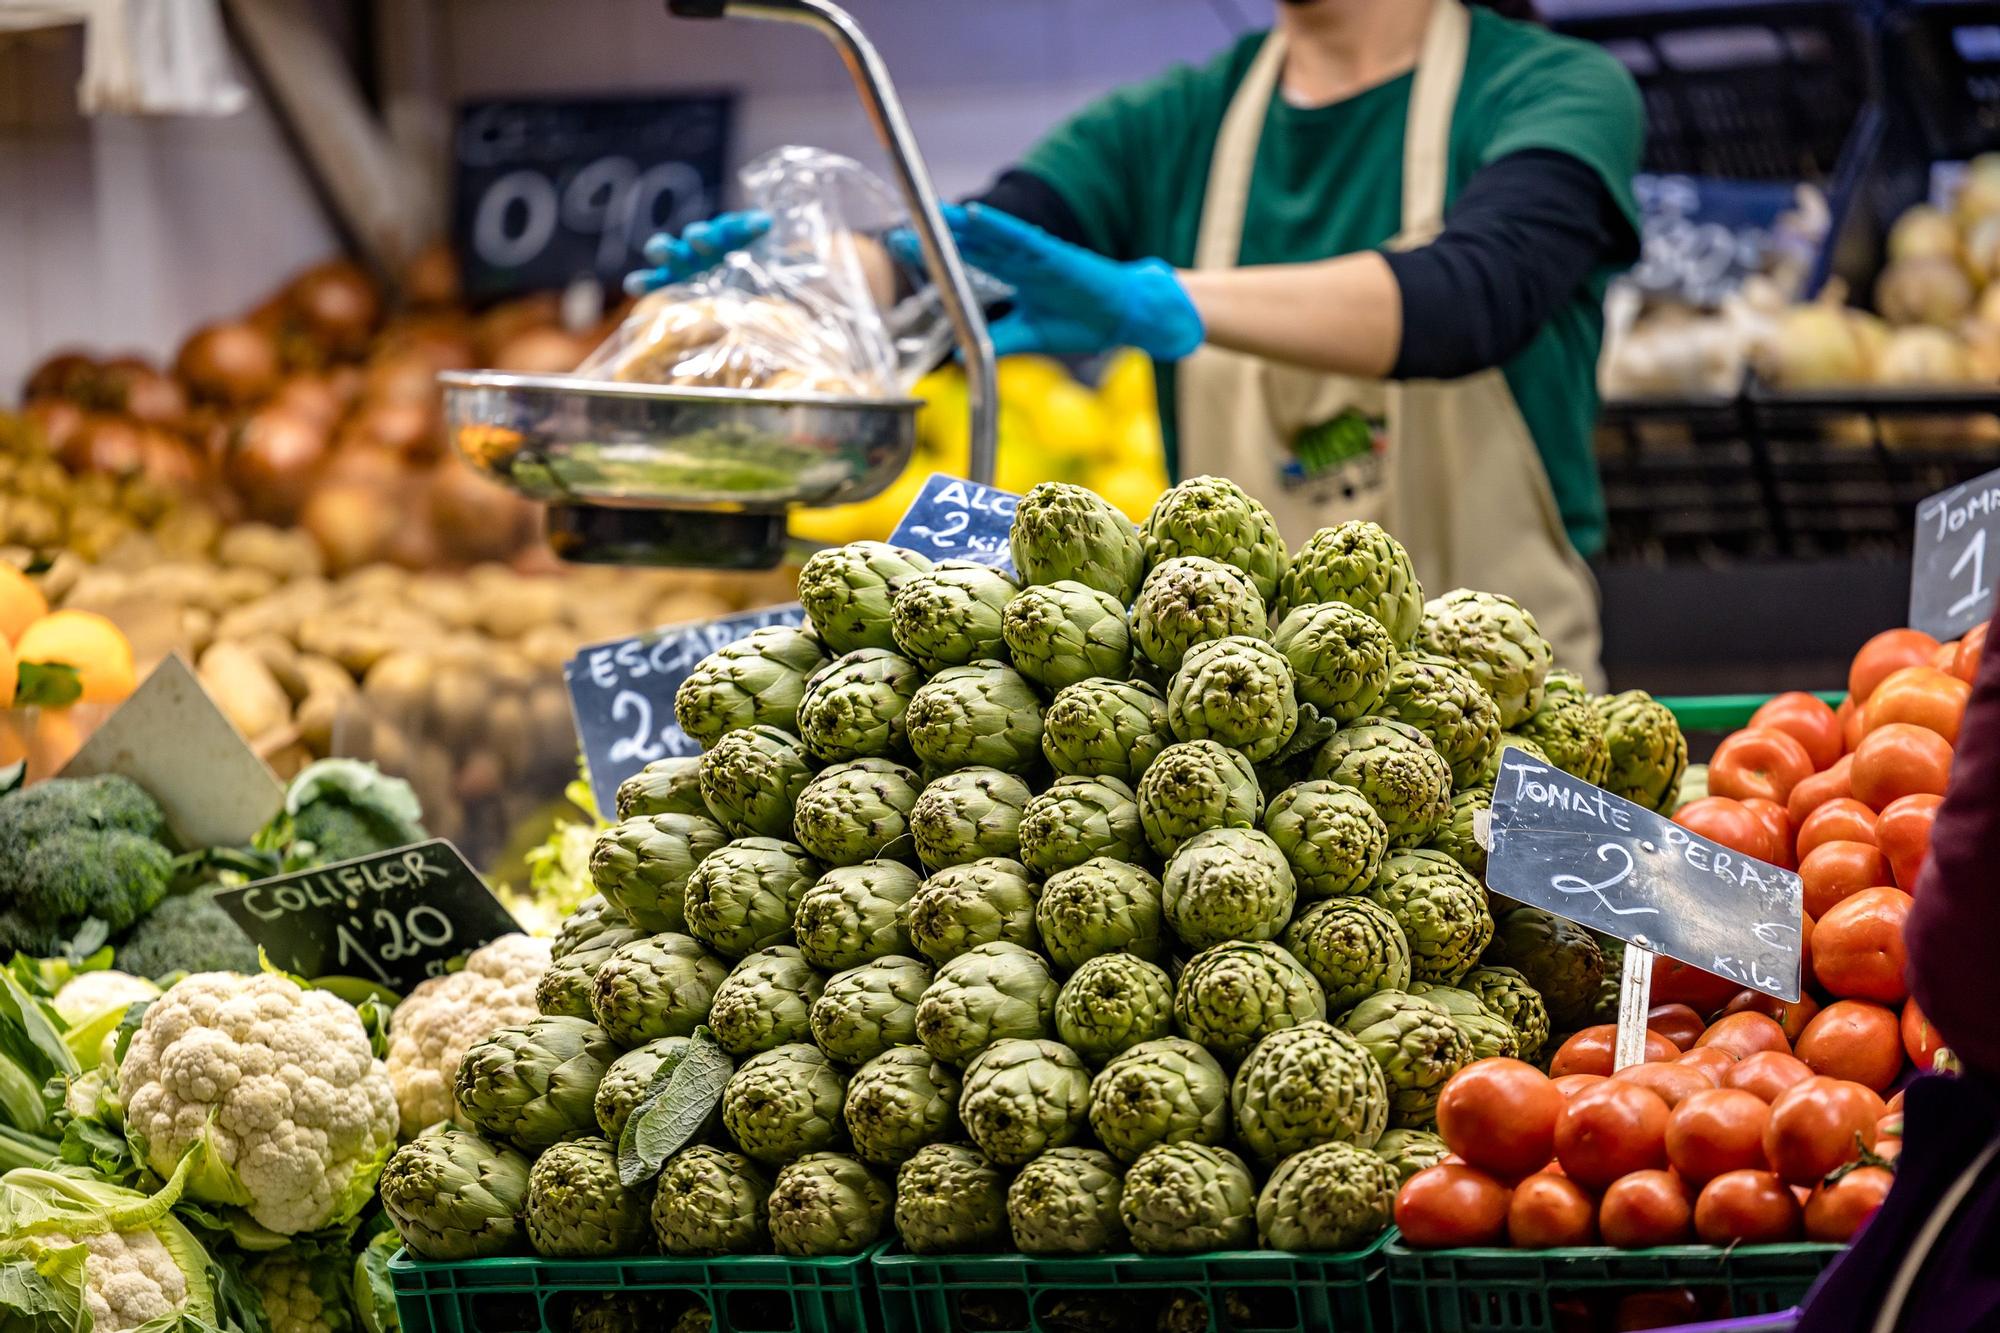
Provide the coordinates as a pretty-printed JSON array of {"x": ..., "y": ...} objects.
[
  {"x": 1418, "y": 1047},
  {"x": 1441, "y": 909},
  {"x": 1308, "y": 1084},
  {"x": 1560, "y": 959},
  {"x": 951, "y": 614},
  {"x": 1353, "y": 948},
  {"x": 1066, "y": 533},
  {"x": 1227, "y": 884},
  {"x": 1188, "y": 1198},
  {"x": 963, "y": 906},
  {"x": 1514, "y": 998},
  {"x": 865, "y": 1010},
  {"x": 846, "y": 591},
  {"x": 1193, "y": 787},
  {"x": 1566, "y": 729},
  {"x": 1498, "y": 644},
  {"x": 1111, "y": 1003},
  {"x": 1431, "y": 694},
  {"x": 1397, "y": 769},
  {"x": 755, "y": 681},
  {"x": 950, "y": 1200},
  {"x": 1458, "y": 836},
  {"x": 1078, "y": 820},
  {"x": 827, "y": 1203},
  {"x": 628, "y": 1080},
  {"x": 1190, "y": 600},
  {"x": 1648, "y": 752},
  {"x": 1339, "y": 658},
  {"x": 1237, "y": 691},
  {"x": 1491, "y": 776},
  {"x": 1361, "y": 565},
  {"x": 968, "y": 816},
  {"x": 1105, "y": 729},
  {"x": 857, "y": 811},
  {"x": 664, "y": 787},
  {"x": 1328, "y": 1199},
  {"x": 784, "y": 1103},
  {"x": 765, "y": 1001},
  {"x": 659, "y": 986},
  {"x": 989, "y": 994},
  {"x": 982, "y": 715},
  {"x": 1216, "y": 518},
  {"x": 1408, "y": 1151},
  {"x": 578, "y": 1208},
  {"x": 710, "y": 1201},
  {"x": 1023, "y": 1097},
  {"x": 453, "y": 1195},
  {"x": 855, "y": 706},
  {"x": 898, "y": 1102},
  {"x": 1330, "y": 836},
  {"x": 1058, "y": 634},
  {"x": 751, "y": 780},
  {"x": 742, "y": 897},
  {"x": 1604, "y": 1009},
  {"x": 1232, "y": 996},
  {"x": 1491, "y": 1036},
  {"x": 853, "y": 914},
  {"x": 1066, "y": 1202},
  {"x": 641, "y": 866},
  {"x": 1100, "y": 907},
  {"x": 1163, "y": 1091},
  {"x": 533, "y": 1084},
  {"x": 565, "y": 989}
]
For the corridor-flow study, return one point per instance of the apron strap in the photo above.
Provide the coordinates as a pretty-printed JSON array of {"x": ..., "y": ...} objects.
[
  {"x": 1220, "y": 241},
  {"x": 1427, "y": 134}
]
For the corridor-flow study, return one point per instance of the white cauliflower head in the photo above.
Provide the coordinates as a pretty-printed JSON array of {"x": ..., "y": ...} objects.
[
  {"x": 431, "y": 1029},
  {"x": 129, "y": 1278},
  {"x": 280, "y": 1086},
  {"x": 299, "y": 1297},
  {"x": 66, "y": 1226},
  {"x": 88, "y": 994}
]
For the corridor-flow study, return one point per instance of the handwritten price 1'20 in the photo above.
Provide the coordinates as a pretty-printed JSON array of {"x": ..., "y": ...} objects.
[{"x": 420, "y": 928}]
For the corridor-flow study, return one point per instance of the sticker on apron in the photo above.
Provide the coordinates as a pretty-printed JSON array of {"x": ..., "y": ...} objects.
[{"x": 1337, "y": 459}]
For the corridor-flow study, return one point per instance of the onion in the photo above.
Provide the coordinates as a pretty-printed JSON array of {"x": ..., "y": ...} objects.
[
  {"x": 63, "y": 375},
  {"x": 337, "y": 305},
  {"x": 133, "y": 386},
  {"x": 359, "y": 460},
  {"x": 1923, "y": 232},
  {"x": 57, "y": 419},
  {"x": 312, "y": 397},
  {"x": 413, "y": 429},
  {"x": 401, "y": 376},
  {"x": 273, "y": 461},
  {"x": 354, "y": 523},
  {"x": 503, "y": 321},
  {"x": 104, "y": 443},
  {"x": 1923, "y": 291},
  {"x": 230, "y": 363},
  {"x": 168, "y": 460},
  {"x": 476, "y": 519},
  {"x": 431, "y": 278},
  {"x": 542, "y": 351}
]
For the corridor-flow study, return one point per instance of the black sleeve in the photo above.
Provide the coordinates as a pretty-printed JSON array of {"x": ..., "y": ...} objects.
[
  {"x": 1525, "y": 232},
  {"x": 1032, "y": 199}
]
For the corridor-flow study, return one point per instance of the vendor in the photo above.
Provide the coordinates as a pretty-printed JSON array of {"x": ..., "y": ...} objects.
[{"x": 1368, "y": 249}]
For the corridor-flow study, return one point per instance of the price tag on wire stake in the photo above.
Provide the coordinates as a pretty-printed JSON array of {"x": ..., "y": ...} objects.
[
  {"x": 1954, "y": 565},
  {"x": 955, "y": 519}
]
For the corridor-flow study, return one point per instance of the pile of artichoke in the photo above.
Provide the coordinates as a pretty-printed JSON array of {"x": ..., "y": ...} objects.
[{"x": 1132, "y": 900}]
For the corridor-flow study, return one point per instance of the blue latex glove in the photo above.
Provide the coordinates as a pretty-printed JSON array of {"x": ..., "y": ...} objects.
[
  {"x": 696, "y": 250},
  {"x": 1069, "y": 301}
]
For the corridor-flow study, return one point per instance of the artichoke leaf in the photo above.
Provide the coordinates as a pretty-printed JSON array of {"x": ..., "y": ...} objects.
[{"x": 683, "y": 1096}]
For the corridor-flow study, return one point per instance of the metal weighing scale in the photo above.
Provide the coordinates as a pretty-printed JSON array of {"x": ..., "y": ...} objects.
[{"x": 656, "y": 475}]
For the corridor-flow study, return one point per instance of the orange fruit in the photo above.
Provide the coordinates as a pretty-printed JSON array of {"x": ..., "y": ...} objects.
[
  {"x": 87, "y": 641},
  {"x": 10, "y": 672},
  {"x": 21, "y": 602}
]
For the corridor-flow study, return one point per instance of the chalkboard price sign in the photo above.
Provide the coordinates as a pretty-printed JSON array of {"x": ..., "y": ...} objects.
[
  {"x": 1700, "y": 237},
  {"x": 1562, "y": 845},
  {"x": 394, "y": 918},
  {"x": 955, "y": 519},
  {"x": 1953, "y": 569}
]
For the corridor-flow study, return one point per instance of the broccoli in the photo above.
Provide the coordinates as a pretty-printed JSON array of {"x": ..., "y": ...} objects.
[
  {"x": 189, "y": 932},
  {"x": 76, "y": 848},
  {"x": 337, "y": 809}
]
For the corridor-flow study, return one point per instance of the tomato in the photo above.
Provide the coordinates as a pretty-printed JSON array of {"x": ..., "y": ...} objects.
[
  {"x": 1593, "y": 1051},
  {"x": 1571, "y": 1084},
  {"x": 1920, "y": 1040},
  {"x": 1899, "y": 760},
  {"x": 1749, "y": 1206},
  {"x": 1550, "y": 1210},
  {"x": 1673, "y": 1081},
  {"x": 1836, "y": 869},
  {"x": 1842, "y": 819},
  {"x": 1643, "y": 1209},
  {"x": 1712, "y": 1058},
  {"x": 1609, "y": 1131},
  {"x": 1970, "y": 648},
  {"x": 1767, "y": 1075},
  {"x": 1758, "y": 761},
  {"x": 1744, "y": 1034},
  {"x": 1858, "y": 946},
  {"x": 1882, "y": 656},
  {"x": 1778, "y": 825},
  {"x": 1450, "y": 1205},
  {"x": 1676, "y": 1022},
  {"x": 1820, "y": 788},
  {"x": 1724, "y": 820},
  {"x": 1920, "y": 696},
  {"x": 1656, "y": 1309},
  {"x": 1675, "y": 982},
  {"x": 1946, "y": 657},
  {"x": 1818, "y": 1125},
  {"x": 1792, "y": 1017},
  {"x": 1839, "y": 1208},
  {"x": 1857, "y": 1040},
  {"x": 1807, "y": 719},
  {"x": 1889, "y": 1149},
  {"x": 1904, "y": 835},
  {"x": 1853, "y": 723},
  {"x": 1716, "y": 1131},
  {"x": 1500, "y": 1116}
]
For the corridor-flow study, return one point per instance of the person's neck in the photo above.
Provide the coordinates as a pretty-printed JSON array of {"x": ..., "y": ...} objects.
[{"x": 1337, "y": 48}]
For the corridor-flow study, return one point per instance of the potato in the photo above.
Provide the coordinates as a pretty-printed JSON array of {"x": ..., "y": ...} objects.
[
  {"x": 323, "y": 675},
  {"x": 547, "y": 647},
  {"x": 281, "y": 659},
  {"x": 249, "y": 696},
  {"x": 459, "y": 696},
  {"x": 510, "y": 735},
  {"x": 398, "y": 687},
  {"x": 549, "y": 715},
  {"x": 288, "y": 760},
  {"x": 508, "y": 612},
  {"x": 237, "y": 587},
  {"x": 317, "y": 717},
  {"x": 280, "y": 553}
]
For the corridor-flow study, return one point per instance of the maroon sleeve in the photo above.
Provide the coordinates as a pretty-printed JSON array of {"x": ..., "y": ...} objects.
[{"x": 1954, "y": 927}]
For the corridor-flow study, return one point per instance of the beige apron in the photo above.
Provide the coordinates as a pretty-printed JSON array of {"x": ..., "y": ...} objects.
[{"x": 1453, "y": 471}]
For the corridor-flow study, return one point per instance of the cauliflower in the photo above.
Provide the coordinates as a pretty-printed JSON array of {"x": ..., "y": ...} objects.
[
  {"x": 151, "y": 1269},
  {"x": 430, "y": 1030},
  {"x": 300, "y": 1296},
  {"x": 93, "y": 1004},
  {"x": 278, "y": 1083}
]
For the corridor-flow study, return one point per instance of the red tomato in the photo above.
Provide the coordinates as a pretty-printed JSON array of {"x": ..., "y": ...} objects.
[
  {"x": 1712, "y": 1058},
  {"x": 1643, "y": 1209},
  {"x": 1676, "y": 1022},
  {"x": 1716, "y": 1131},
  {"x": 1767, "y": 1075},
  {"x": 1571, "y": 1084},
  {"x": 1920, "y": 1040},
  {"x": 1966, "y": 665},
  {"x": 1609, "y": 1131},
  {"x": 1853, "y": 723},
  {"x": 1838, "y": 1209},
  {"x": 1778, "y": 825},
  {"x": 1900, "y": 760},
  {"x": 1744, "y": 1034},
  {"x": 1807, "y": 719},
  {"x": 1724, "y": 820},
  {"x": 1922, "y": 696},
  {"x": 1792, "y": 1017},
  {"x": 1836, "y": 869},
  {"x": 1842, "y": 819},
  {"x": 1672, "y": 1081},
  {"x": 1855, "y": 1040},
  {"x": 1884, "y": 655},
  {"x": 1946, "y": 657},
  {"x": 1904, "y": 835},
  {"x": 1593, "y": 1050},
  {"x": 1550, "y": 1210},
  {"x": 1500, "y": 1116},
  {"x": 1447, "y": 1206},
  {"x": 1818, "y": 1125},
  {"x": 1749, "y": 1206},
  {"x": 1818, "y": 789},
  {"x": 1758, "y": 761},
  {"x": 1675, "y": 982},
  {"x": 1858, "y": 946}
]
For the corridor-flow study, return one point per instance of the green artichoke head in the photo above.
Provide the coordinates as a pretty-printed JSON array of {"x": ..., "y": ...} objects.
[
  {"x": 1191, "y": 600},
  {"x": 658, "y": 986},
  {"x": 984, "y": 714},
  {"x": 969, "y": 815},
  {"x": 1058, "y": 634},
  {"x": 1216, "y": 518},
  {"x": 751, "y": 780},
  {"x": 1067, "y": 533},
  {"x": 533, "y": 1084},
  {"x": 578, "y": 1208},
  {"x": 1491, "y": 1035},
  {"x": 1066, "y": 1202},
  {"x": 1022, "y": 1097},
  {"x": 628, "y": 1080},
  {"x": 1408, "y": 1151},
  {"x": 951, "y": 614},
  {"x": 1339, "y": 658},
  {"x": 1078, "y": 820},
  {"x": 963, "y": 906},
  {"x": 1418, "y": 1047},
  {"x": 670, "y": 786},
  {"x": 855, "y": 706},
  {"x": 1566, "y": 730},
  {"x": 1514, "y": 998},
  {"x": 1458, "y": 836},
  {"x": 950, "y": 1200},
  {"x": 1111, "y": 1003},
  {"x": 1227, "y": 884},
  {"x": 1330, "y": 836},
  {"x": 1353, "y": 947},
  {"x": 454, "y": 1195},
  {"x": 857, "y": 811},
  {"x": 1237, "y": 691},
  {"x": 900, "y": 1101},
  {"x": 1648, "y": 752},
  {"x": 827, "y": 1203},
  {"x": 1105, "y": 728},
  {"x": 1560, "y": 959},
  {"x": 1231, "y": 996},
  {"x": 1195, "y": 786},
  {"x": 755, "y": 681},
  {"x": 847, "y": 593},
  {"x": 742, "y": 897},
  {"x": 1498, "y": 644},
  {"x": 641, "y": 865},
  {"x": 1360, "y": 564},
  {"x": 853, "y": 914},
  {"x": 1433, "y": 695},
  {"x": 1167, "y": 1090},
  {"x": 1189, "y": 1198},
  {"x": 710, "y": 1201},
  {"x": 564, "y": 990},
  {"x": 1330, "y": 1199},
  {"x": 989, "y": 994},
  {"x": 1441, "y": 908},
  {"x": 1304, "y": 1085},
  {"x": 1397, "y": 769},
  {"x": 865, "y": 1010},
  {"x": 765, "y": 1001},
  {"x": 784, "y": 1103},
  {"x": 1101, "y": 906}
]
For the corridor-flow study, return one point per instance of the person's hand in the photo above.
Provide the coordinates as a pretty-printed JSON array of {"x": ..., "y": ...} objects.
[
  {"x": 696, "y": 250},
  {"x": 1069, "y": 301}
]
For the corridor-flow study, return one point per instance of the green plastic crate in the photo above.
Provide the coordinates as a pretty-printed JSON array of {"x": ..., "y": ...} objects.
[
  {"x": 1248, "y": 1291},
  {"x": 744, "y": 1294},
  {"x": 1727, "y": 712},
  {"x": 1539, "y": 1291}
]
